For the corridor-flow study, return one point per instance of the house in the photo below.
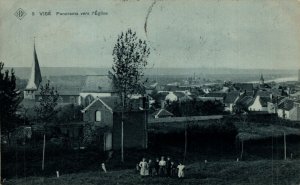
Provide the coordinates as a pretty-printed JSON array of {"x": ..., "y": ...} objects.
[
  {"x": 289, "y": 109},
  {"x": 230, "y": 101},
  {"x": 273, "y": 104},
  {"x": 162, "y": 113},
  {"x": 105, "y": 114},
  {"x": 246, "y": 88},
  {"x": 243, "y": 103},
  {"x": 96, "y": 86},
  {"x": 214, "y": 96},
  {"x": 259, "y": 104}
]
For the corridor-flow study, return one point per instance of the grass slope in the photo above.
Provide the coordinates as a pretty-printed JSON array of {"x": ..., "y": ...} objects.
[{"x": 212, "y": 173}]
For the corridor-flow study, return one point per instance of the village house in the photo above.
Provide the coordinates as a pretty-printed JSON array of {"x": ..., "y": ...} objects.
[
  {"x": 273, "y": 103},
  {"x": 245, "y": 88},
  {"x": 289, "y": 109},
  {"x": 259, "y": 104},
  {"x": 105, "y": 114},
  {"x": 96, "y": 86},
  {"x": 213, "y": 96},
  {"x": 230, "y": 101}
]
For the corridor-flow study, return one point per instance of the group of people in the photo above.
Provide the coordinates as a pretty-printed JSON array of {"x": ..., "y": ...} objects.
[{"x": 162, "y": 168}]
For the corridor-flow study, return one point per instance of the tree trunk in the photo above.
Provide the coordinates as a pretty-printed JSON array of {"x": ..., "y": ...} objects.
[
  {"x": 44, "y": 147},
  {"x": 122, "y": 129},
  {"x": 185, "y": 142}
]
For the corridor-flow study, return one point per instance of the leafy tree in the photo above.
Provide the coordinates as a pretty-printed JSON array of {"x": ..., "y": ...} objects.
[
  {"x": 9, "y": 100},
  {"x": 129, "y": 60},
  {"x": 46, "y": 109},
  {"x": 47, "y": 103}
]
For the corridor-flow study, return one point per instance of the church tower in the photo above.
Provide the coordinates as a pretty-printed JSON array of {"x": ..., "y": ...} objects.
[
  {"x": 35, "y": 78},
  {"x": 261, "y": 80}
]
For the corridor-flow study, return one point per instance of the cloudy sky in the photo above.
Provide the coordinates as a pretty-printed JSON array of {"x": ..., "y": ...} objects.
[{"x": 207, "y": 33}]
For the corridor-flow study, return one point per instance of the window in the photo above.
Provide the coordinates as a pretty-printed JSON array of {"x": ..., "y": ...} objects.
[{"x": 98, "y": 115}]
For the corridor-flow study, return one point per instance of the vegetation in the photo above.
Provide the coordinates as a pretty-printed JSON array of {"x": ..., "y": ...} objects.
[
  {"x": 195, "y": 108},
  {"x": 9, "y": 100},
  {"x": 48, "y": 102},
  {"x": 214, "y": 173},
  {"x": 129, "y": 60}
]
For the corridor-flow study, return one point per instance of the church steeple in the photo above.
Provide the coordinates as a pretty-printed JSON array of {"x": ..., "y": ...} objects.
[
  {"x": 35, "y": 77},
  {"x": 261, "y": 81}
]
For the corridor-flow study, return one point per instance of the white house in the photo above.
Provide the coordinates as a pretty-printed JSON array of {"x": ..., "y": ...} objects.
[{"x": 259, "y": 104}]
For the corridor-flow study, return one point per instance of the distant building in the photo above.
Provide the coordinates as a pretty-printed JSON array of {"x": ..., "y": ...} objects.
[
  {"x": 260, "y": 104},
  {"x": 261, "y": 80},
  {"x": 230, "y": 101},
  {"x": 289, "y": 109},
  {"x": 96, "y": 86}
]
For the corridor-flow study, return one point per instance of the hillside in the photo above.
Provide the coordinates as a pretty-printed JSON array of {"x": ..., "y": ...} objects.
[{"x": 213, "y": 173}]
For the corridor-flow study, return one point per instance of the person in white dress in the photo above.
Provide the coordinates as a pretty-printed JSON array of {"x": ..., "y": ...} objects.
[
  {"x": 162, "y": 166},
  {"x": 181, "y": 168},
  {"x": 144, "y": 168}
]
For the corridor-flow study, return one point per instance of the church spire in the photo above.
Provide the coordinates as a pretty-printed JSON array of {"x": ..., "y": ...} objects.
[
  {"x": 262, "y": 81},
  {"x": 35, "y": 76}
]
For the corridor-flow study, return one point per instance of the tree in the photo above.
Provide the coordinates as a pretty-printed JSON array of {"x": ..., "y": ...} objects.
[
  {"x": 46, "y": 109},
  {"x": 129, "y": 60},
  {"x": 9, "y": 100},
  {"x": 47, "y": 103}
]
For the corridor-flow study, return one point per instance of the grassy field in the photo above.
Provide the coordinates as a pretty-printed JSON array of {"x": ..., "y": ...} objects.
[{"x": 212, "y": 173}]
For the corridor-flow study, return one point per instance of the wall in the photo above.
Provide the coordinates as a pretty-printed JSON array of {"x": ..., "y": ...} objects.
[
  {"x": 135, "y": 130},
  {"x": 106, "y": 115}
]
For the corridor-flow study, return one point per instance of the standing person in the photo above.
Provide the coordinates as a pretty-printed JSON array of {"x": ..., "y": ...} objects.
[
  {"x": 151, "y": 167},
  {"x": 173, "y": 169},
  {"x": 168, "y": 166},
  {"x": 162, "y": 166},
  {"x": 143, "y": 168},
  {"x": 157, "y": 166},
  {"x": 181, "y": 169}
]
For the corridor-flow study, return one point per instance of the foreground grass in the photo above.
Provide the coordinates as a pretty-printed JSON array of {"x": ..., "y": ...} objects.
[{"x": 212, "y": 173}]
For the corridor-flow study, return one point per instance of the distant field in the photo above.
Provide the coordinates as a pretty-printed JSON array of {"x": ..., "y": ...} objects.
[
  {"x": 166, "y": 73},
  {"x": 261, "y": 172}
]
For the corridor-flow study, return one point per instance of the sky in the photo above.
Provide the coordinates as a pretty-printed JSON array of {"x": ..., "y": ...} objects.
[{"x": 184, "y": 34}]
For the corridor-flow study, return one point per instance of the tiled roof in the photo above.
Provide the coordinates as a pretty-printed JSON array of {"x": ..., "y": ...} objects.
[
  {"x": 179, "y": 94},
  {"x": 162, "y": 113},
  {"x": 264, "y": 101},
  {"x": 245, "y": 101},
  {"x": 264, "y": 93},
  {"x": 111, "y": 103},
  {"x": 98, "y": 84},
  {"x": 243, "y": 86},
  {"x": 286, "y": 105},
  {"x": 216, "y": 94},
  {"x": 231, "y": 97}
]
